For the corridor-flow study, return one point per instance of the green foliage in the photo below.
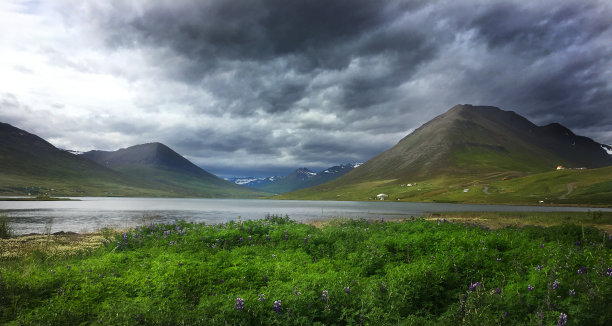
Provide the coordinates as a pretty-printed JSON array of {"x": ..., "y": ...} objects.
[
  {"x": 348, "y": 272},
  {"x": 5, "y": 228}
]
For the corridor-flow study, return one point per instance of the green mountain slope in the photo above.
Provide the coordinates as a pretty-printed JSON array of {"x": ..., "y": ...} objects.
[
  {"x": 466, "y": 146},
  {"x": 160, "y": 166},
  {"x": 29, "y": 164}
]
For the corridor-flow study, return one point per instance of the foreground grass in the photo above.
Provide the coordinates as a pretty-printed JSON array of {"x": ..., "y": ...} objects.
[{"x": 276, "y": 271}]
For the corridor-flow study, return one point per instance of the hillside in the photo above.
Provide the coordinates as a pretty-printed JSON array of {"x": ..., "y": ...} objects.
[
  {"x": 31, "y": 165},
  {"x": 167, "y": 170},
  {"x": 468, "y": 145}
]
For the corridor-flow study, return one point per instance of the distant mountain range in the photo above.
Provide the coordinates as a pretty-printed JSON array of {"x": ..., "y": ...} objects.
[
  {"x": 478, "y": 154},
  {"x": 298, "y": 179},
  {"x": 466, "y": 146},
  {"x": 30, "y": 165}
]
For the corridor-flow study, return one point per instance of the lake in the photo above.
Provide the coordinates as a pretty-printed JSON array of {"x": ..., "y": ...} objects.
[{"x": 92, "y": 213}]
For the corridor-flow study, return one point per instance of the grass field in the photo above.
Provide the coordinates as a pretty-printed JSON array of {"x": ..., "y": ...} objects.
[
  {"x": 566, "y": 187},
  {"x": 276, "y": 271}
]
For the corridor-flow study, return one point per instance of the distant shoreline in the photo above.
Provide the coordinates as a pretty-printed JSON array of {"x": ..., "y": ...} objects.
[{"x": 37, "y": 199}]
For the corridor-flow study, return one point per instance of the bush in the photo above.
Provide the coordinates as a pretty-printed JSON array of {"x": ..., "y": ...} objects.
[{"x": 5, "y": 228}]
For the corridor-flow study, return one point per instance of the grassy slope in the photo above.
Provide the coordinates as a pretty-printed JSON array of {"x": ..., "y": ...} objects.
[{"x": 589, "y": 187}]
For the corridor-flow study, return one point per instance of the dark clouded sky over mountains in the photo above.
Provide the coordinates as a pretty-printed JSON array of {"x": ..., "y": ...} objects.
[{"x": 263, "y": 87}]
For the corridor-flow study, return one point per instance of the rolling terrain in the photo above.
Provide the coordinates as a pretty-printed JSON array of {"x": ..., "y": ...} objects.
[
  {"x": 478, "y": 146},
  {"x": 31, "y": 165}
]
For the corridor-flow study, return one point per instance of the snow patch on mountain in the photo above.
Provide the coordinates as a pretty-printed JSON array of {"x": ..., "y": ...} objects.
[{"x": 607, "y": 148}]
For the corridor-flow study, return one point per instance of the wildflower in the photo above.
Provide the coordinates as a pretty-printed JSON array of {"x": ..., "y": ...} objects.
[
  {"x": 324, "y": 295},
  {"x": 541, "y": 315},
  {"x": 68, "y": 267},
  {"x": 582, "y": 270},
  {"x": 278, "y": 307},
  {"x": 542, "y": 246},
  {"x": 474, "y": 286},
  {"x": 572, "y": 292},
  {"x": 273, "y": 256},
  {"x": 555, "y": 285},
  {"x": 250, "y": 238},
  {"x": 609, "y": 272},
  {"x": 239, "y": 303},
  {"x": 539, "y": 268},
  {"x": 52, "y": 271},
  {"x": 499, "y": 259},
  {"x": 497, "y": 291},
  {"x": 562, "y": 319},
  {"x": 267, "y": 237},
  {"x": 262, "y": 297},
  {"x": 578, "y": 243},
  {"x": 530, "y": 287},
  {"x": 104, "y": 242},
  {"x": 347, "y": 290}
]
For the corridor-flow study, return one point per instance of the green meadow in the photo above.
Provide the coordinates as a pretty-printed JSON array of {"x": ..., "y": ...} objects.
[
  {"x": 591, "y": 187},
  {"x": 438, "y": 270}
]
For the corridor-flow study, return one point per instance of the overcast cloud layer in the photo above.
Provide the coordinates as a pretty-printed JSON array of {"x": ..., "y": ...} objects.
[{"x": 263, "y": 87}]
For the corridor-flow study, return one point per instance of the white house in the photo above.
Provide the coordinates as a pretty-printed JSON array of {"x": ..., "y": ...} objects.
[{"x": 382, "y": 196}]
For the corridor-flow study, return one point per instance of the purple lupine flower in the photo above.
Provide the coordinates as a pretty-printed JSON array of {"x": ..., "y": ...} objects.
[
  {"x": 104, "y": 242},
  {"x": 52, "y": 271},
  {"x": 572, "y": 292},
  {"x": 474, "y": 286},
  {"x": 278, "y": 307},
  {"x": 562, "y": 319},
  {"x": 267, "y": 237},
  {"x": 305, "y": 240},
  {"x": 324, "y": 295},
  {"x": 578, "y": 243},
  {"x": 239, "y": 303},
  {"x": 497, "y": 291},
  {"x": 609, "y": 272},
  {"x": 539, "y": 267},
  {"x": 135, "y": 236},
  {"x": 542, "y": 246},
  {"x": 347, "y": 290},
  {"x": 530, "y": 287},
  {"x": 555, "y": 285},
  {"x": 541, "y": 315},
  {"x": 250, "y": 238},
  {"x": 262, "y": 297},
  {"x": 582, "y": 270}
]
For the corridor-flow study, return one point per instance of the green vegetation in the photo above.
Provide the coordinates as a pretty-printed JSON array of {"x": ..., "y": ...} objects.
[
  {"x": 564, "y": 187},
  {"x": 5, "y": 228},
  {"x": 276, "y": 271}
]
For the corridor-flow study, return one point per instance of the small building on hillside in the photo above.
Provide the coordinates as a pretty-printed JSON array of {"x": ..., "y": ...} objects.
[
  {"x": 382, "y": 196},
  {"x": 560, "y": 167}
]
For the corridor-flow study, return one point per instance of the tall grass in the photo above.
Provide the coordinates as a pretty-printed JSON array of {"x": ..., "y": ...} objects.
[
  {"x": 6, "y": 231},
  {"x": 276, "y": 271}
]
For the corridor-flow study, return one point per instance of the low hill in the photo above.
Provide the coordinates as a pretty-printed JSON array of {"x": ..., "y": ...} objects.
[
  {"x": 465, "y": 146},
  {"x": 159, "y": 165}
]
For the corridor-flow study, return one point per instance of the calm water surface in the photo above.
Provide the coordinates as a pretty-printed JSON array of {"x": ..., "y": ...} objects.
[{"x": 93, "y": 213}]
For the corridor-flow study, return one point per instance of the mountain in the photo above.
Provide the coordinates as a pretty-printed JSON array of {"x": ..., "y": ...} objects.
[
  {"x": 298, "y": 179},
  {"x": 31, "y": 165},
  {"x": 161, "y": 166},
  {"x": 466, "y": 145},
  {"x": 253, "y": 182}
]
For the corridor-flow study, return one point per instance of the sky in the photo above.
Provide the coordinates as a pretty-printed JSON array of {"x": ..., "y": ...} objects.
[{"x": 259, "y": 88}]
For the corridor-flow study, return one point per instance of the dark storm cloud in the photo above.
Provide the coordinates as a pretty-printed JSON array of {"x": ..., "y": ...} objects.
[{"x": 271, "y": 85}]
